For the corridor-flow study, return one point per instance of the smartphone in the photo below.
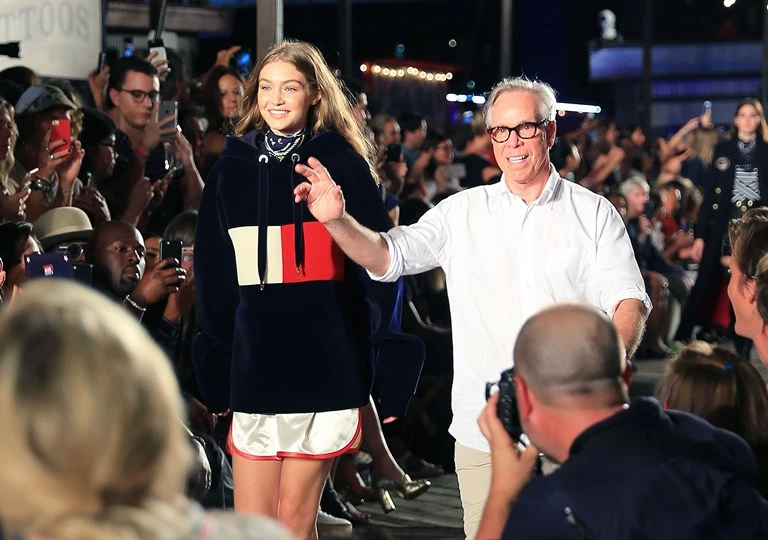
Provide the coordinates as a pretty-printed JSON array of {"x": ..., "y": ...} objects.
[
  {"x": 102, "y": 62},
  {"x": 242, "y": 62},
  {"x": 648, "y": 210},
  {"x": 48, "y": 265},
  {"x": 171, "y": 249},
  {"x": 394, "y": 152},
  {"x": 83, "y": 273},
  {"x": 156, "y": 45},
  {"x": 129, "y": 48},
  {"x": 168, "y": 108},
  {"x": 707, "y": 108},
  {"x": 187, "y": 258},
  {"x": 61, "y": 131}
]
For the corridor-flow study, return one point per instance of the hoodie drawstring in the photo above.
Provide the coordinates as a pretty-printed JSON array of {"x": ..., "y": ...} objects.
[
  {"x": 298, "y": 222},
  {"x": 263, "y": 217}
]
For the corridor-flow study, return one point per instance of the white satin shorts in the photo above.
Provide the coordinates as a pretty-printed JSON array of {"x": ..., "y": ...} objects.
[{"x": 322, "y": 435}]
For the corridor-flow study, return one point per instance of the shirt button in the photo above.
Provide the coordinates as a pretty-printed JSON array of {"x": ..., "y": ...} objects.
[
  {"x": 718, "y": 190},
  {"x": 714, "y": 206}
]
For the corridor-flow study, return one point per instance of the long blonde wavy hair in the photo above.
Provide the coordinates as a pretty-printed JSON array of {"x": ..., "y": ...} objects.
[
  {"x": 92, "y": 444},
  {"x": 332, "y": 111},
  {"x": 10, "y": 160}
]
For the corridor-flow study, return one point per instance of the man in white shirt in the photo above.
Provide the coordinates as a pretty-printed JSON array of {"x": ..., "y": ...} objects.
[{"x": 508, "y": 250}]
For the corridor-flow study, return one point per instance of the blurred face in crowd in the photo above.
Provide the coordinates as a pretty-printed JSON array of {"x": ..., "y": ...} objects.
[
  {"x": 747, "y": 121},
  {"x": 638, "y": 137},
  {"x": 119, "y": 256},
  {"x": 152, "y": 255},
  {"x": 419, "y": 135},
  {"x": 285, "y": 97},
  {"x": 392, "y": 133},
  {"x": 523, "y": 161},
  {"x": 671, "y": 198},
  {"x": 443, "y": 152},
  {"x": 136, "y": 111},
  {"x": 636, "y": 200},
  {"x": 6, "y": 133},
  {"x": 16, "y": 271},
  {"x": 611, "y": 134},
  {"x": 103, "y": 159},
  {"x": 741, "y": 292},
  {"x": 231, "y": 92}
]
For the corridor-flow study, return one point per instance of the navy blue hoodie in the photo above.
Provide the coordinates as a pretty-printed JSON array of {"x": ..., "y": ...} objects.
[
  {"x": 288, "y": 323},
  {"x": 649, "y": 474}
]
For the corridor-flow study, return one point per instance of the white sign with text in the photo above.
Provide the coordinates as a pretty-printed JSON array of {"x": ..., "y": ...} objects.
[{"x": 59, "y": 38}]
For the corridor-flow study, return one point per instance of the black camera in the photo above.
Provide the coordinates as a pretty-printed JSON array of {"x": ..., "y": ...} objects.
[{"x": 507, "y": 407}]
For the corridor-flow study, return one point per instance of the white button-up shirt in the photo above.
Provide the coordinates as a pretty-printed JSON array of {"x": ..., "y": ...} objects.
[{"x": 504, "y": 260}]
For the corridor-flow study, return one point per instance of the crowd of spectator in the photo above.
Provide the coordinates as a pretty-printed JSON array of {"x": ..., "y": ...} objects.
[{"x": 127, "y": 180}]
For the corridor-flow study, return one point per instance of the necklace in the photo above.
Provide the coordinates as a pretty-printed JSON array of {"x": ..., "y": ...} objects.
[
  {"x": 747, "y": 147},
  {"x": 280, "y": 146}
]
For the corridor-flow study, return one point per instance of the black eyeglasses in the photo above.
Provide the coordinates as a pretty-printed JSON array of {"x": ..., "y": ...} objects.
[
  {"x": 524, "y": 130},
  {"x": 140, "y": 95}
]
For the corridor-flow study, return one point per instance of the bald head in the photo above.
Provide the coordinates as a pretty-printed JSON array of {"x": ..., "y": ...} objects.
[{"x": 571, "y": 349}]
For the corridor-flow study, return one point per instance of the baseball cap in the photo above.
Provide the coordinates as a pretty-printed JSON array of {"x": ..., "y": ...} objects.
[{"x": 37, "y": 99}]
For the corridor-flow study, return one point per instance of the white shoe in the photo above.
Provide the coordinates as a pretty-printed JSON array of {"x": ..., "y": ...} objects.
[{"x": 330, "y": 524}]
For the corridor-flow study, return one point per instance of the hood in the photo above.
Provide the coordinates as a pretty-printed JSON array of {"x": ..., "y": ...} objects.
[{"x": 248, "y": 147}]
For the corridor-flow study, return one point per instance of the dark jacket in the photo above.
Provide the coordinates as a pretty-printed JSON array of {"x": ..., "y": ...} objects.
[
  {"x": 712, "y": 224},
  {"x": 646, "y": 473},
  {"x": 288, "y": 323}
]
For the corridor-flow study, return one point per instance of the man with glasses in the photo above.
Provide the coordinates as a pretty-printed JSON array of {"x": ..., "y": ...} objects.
[
  {"x": 508, "y": 250},
  {"x": 134, "y": 95}
]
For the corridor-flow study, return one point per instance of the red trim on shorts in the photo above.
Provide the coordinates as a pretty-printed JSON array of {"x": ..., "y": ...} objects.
[
  {"x": 232, "y": 449},
  {"x": 349, "y": 448}
]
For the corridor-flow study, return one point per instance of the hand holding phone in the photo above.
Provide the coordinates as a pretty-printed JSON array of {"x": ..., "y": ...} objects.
[
  {"x": 168, "y": 109},
  {"x": 157, "y": 46},
  {"x": 102, "y": 62},
  {"x": 187, "y": 258},
  {"x": 61, "y": 130},
  {"x": 171, "y": 249}
]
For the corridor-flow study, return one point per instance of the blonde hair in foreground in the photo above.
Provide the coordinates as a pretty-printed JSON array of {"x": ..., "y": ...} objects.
[
  {"x": 92, "y": 447},
  {"x": 333, "y": 111}
]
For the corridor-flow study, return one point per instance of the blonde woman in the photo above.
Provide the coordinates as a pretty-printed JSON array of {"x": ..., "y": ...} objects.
[
  {"x": 289, "y": 324},
  {"x": 92, "y": 445},
  {"x": 11, "y": 206}
]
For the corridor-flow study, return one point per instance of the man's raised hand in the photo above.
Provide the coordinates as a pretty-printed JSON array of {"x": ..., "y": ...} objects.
[{"x": 324, "y": 198}]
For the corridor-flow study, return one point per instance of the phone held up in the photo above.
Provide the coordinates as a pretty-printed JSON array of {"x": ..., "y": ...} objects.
[
  {"x": 129, "y": 48},
  {"x": 102, "y": 62},
  {"x": 157, "y": 46},
  {"x": 168, "y": 108},
  {"x": 171, "y": 249},
  {"x": 242, "y": 62},
  {"x": 61, "y": 131}
]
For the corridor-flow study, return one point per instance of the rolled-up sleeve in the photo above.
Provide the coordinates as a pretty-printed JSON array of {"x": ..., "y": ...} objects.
[
  {"x": 417, "y": 248},
  {"x": 616, "y": 274}
]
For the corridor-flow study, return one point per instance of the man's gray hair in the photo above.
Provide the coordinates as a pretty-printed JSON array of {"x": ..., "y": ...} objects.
[
  {"x": 632, "y": 183},
  {"x": 545, "y": 93}
]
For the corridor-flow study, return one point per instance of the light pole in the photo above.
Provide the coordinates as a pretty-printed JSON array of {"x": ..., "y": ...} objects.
[
  {"x": 269, "y": 25},
  {"x": 505, "y": 47}
]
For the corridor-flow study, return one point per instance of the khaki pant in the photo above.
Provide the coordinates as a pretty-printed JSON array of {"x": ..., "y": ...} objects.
[{"x": 473, "y": 469}]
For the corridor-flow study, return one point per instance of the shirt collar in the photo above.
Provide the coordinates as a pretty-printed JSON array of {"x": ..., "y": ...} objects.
[{"x": 503, "y": 196}]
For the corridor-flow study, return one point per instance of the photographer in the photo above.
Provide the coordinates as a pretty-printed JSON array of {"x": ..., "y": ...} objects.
[{"x": 628, "y": 471}]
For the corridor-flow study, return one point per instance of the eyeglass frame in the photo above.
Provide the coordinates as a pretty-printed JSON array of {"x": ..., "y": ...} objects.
[
  {"x": 537, "y": 126},
  {"x": 153, "y": 95}
]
